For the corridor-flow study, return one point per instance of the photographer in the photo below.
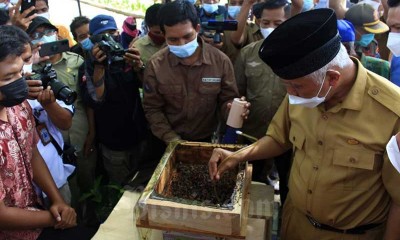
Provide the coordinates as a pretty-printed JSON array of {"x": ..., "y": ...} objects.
[
  {"x": 120, "y": 122},
  {"x": 66, "y": 66}
]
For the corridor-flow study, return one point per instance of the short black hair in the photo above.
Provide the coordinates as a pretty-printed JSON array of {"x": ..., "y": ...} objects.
[
  {"x": 273, "y": 4},
  {"x": 4, "y": 17},
  {"x": 177, "y": 12},
  {"x": 393, "y": 3},
  {"x": 77, "y": 22},
  {"x": 13, "y": 41},
  {"x": 150, "y": 17}
]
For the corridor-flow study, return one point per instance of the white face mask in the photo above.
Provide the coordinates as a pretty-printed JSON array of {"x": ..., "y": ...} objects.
[
  {"x": 27, "y": 68},
  {"x": 309, "y": 102},
  {"x": 45, "y": 15},
  {"x": 45, "y": 39},
  {"x": 233, "y": 11},
  {"x": 393, "y": 43},
  {"x": 266, "y": 31}
]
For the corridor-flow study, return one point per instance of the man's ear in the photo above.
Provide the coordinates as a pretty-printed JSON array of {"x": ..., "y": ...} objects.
[
  {"x": 198, "y": 27},
  {"x": 333, "y": 77}
]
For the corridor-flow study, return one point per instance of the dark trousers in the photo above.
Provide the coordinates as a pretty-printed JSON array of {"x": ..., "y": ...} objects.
[{"x": 75, "y": 233}]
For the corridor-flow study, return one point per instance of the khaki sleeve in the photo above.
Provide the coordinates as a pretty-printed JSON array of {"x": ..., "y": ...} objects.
[
  {"x": 241, "y": 80},
  {"x": 229, "y": 89},
  {"x": 153, "y": 104},
  {"x": 279, "y": 127}
]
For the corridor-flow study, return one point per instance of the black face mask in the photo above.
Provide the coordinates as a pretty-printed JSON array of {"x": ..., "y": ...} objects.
[
  {"x": 116, "y": 38},
  {"x": 14, "y": 93}
]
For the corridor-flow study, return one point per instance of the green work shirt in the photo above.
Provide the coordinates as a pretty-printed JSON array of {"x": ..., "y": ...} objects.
[
  {"x": 146, "y": 48},
  {"x": 262, "y": 88}
]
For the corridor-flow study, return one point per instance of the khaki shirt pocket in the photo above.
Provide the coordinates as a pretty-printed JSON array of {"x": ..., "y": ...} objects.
[
  {"x": 355, "y": 168},
  {"x": 297, "y": 138},
  {"x": 208, "y": 97},
  {"x": 173, "y": 97}
]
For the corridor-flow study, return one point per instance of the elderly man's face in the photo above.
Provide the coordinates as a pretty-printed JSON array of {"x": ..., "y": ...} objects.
[
  {"x": 306, "y": 87},
  {"x": 393, "y": 20}
]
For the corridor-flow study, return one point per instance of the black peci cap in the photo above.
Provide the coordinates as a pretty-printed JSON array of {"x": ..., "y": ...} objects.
[{"x": 302, "y": 44}]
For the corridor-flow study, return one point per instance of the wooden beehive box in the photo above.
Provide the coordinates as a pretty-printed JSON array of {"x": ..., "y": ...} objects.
[{"x": 158, "y": 209}]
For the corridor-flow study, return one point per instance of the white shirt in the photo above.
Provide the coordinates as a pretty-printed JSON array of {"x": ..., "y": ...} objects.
[{"x": 59, "y": 171}]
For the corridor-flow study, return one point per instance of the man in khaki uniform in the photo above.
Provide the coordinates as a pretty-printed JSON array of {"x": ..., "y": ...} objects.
[
  {"x": 337, "y": 117},
  {"x": 188, "y": 83}
]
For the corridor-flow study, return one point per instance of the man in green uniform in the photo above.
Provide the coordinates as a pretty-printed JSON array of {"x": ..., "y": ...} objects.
[{"x": 337, "y": 117}]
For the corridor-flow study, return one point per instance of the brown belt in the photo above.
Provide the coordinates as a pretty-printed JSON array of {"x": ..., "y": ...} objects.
[{"x": 357, "y": 230}]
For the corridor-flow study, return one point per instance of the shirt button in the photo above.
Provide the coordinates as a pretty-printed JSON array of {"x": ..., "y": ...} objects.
[
  {"x": 315, "y": 167},
  {"x": 352, "y": 160},
  {"x": 375, "y": 91},
  {"x": 324, "y": 116},
  {"x": 320, "y": 143},
  {"x": 309, "y": 191}
]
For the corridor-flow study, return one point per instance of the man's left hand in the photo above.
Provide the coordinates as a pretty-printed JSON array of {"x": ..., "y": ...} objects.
[{"x": 64, "y": 215}]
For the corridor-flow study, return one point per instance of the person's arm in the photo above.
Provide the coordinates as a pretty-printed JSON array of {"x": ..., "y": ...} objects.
[
  {"x": 20, "y": 19},
  {"x": 222, "y": 160},
  {"x": 98, "y": 71},
  {"x": 61, "y": 117},
  {"x": 61, "y": 212},
  {"x": 153, "y": 104},
  {"x": 13, "y": 218},
  {"x": 238, "y": 36},
  {"x": 339, "y": 6},
  {"x": 385, "y": 9},
  {"x": 297, "y": 7},
  {"x": 393, "y": 223}
]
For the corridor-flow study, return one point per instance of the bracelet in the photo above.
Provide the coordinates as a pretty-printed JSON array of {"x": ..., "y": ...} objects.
[{"x": 99, "y": 82}]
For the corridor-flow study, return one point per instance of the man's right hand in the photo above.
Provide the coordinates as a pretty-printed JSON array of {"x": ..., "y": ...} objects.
[
  {"x": 20, "y": 19},
  {"x": 34, "y": 88},
  {"x": 98, "y": 54},
  {"x": 221, "y": 160}
]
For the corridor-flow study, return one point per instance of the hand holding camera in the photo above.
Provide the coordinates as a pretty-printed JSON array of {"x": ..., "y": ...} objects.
[
  {"x": 53, "y": 87},
  {"x": 132, "y": 57}
]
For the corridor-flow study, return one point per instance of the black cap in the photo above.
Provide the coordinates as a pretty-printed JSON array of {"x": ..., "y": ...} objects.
[
  {"x": 302, "y": 44},
  {"x": 38, "y": 22}
]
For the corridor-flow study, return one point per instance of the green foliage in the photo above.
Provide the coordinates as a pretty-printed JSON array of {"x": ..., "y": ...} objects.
[
  {"x": 104, "y": 197},
  {"x": 137, "y": 6}
]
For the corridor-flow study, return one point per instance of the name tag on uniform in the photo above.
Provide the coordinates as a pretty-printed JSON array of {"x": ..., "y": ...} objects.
[
  {"x": 43, "y": 134},
  {"x": 211, "y": 80}
]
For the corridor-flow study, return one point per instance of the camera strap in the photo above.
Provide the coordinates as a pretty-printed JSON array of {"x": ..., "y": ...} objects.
[{"x": 52, "y": 140}]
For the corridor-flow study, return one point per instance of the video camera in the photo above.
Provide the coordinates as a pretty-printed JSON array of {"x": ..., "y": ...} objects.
[
  {"x": 219, "y": 27},
  {"x": 49, "y": 78},
  {"x": 113, "y": 50}
]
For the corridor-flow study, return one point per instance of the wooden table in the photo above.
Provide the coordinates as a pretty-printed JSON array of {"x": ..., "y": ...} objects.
[{"x": 120, "y": 225}]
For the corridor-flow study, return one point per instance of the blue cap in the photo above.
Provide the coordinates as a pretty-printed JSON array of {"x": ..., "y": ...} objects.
[
  {"x": 346, "y": 30},
  {"x": 101, "y": 23}
]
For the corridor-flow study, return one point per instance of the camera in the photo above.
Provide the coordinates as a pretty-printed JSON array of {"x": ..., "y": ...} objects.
[
  {"x": 49, "y": 78},
  {"x": 113, "y": 49},
  {"x": 218, "y": 27}
]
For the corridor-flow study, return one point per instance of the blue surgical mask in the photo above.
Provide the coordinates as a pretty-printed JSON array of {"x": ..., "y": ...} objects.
[
  {"x": 191, "y": 1},
  {"x": 45, "y": 39},
  {"x": 3, "y": 6},
  {"x": 210, "y": 8},
  {"x": 186, "y": 50},
  {"x": 366, "y": 39},
  {"x": 233, "y": 11},
  {"x": 86, "y": 44},
  {"x": 309, "y": 102}
]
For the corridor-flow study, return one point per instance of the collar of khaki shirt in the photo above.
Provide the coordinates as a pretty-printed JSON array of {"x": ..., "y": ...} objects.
[
  {"x": 354, "y": 98},
  {"x": 204, "y": 58}
]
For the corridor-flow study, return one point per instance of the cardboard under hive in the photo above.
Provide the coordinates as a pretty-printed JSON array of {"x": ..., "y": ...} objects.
[{"x": 157, "y": 209}]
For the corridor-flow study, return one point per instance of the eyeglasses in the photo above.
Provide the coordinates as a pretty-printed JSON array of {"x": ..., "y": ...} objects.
[{"x": 38, "y": 35}]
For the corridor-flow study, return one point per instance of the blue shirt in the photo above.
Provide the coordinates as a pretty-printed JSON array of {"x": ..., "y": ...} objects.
[{"x": 395, "y": 71}]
